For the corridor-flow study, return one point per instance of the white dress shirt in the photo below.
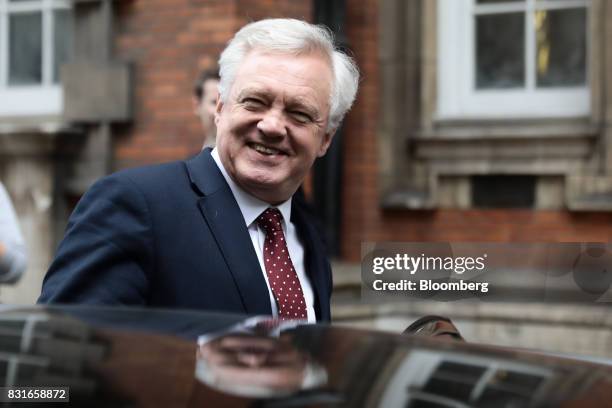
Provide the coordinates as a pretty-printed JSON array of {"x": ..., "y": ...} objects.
[{"x": 251, "y": 208}]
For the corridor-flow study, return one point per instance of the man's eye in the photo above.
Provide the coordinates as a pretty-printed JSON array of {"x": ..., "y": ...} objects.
[
  {"x": 301, "y": 117},
  {"x": 252, "y": 103}
]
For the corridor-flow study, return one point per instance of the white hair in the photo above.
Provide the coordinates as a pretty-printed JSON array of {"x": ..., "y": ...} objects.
[{"x": 290, "y": 36}]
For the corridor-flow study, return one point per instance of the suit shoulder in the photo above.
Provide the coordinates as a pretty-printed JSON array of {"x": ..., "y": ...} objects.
[
  {"x": 152, "y": 172},
  {"x": 150, "y": 177}
]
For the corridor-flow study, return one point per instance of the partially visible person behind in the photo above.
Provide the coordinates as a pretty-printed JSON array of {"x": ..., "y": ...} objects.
[
  {"x": 12, "y": 247},
  {"x": 205, "y": 93}
]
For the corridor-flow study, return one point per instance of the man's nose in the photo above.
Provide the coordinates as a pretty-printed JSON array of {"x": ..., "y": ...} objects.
[{"x": 272, "y": 124}]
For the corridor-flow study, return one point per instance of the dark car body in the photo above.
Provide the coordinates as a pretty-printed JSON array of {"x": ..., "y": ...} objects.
[{"x": 124, "y": 357}]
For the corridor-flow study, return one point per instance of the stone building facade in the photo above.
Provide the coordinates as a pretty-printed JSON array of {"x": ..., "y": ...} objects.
[{"x": 412, "y": 171}]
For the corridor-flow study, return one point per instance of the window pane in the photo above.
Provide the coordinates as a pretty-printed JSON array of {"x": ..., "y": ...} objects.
[
  {"x": 62, "y": 40},
  {"x": 500, "y": 55},
  {"x": 523, "y": 383},
  {"x": 502, "y": 398},
  {"x": 10, "y": 343},
  {"x": 457, "y": 391},
  {"x": 461, "y": 372},
  {"x": 561, "y": 53},
  {"x": 25, "y": 48}
]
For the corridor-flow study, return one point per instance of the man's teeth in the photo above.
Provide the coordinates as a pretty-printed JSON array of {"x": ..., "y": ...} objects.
[{"x": 264, "y": 149}]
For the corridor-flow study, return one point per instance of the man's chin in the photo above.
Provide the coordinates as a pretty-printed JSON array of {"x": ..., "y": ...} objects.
[{"x": 270, "y": 190}]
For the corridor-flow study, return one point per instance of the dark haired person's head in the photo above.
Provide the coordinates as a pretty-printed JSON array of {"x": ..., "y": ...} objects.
[{"x": 205, "y": 93}]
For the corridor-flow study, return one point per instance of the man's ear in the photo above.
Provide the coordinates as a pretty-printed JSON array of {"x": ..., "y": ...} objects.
[
  {"x": 218, "y": 109},
  {"x": 326, "y": 142}
]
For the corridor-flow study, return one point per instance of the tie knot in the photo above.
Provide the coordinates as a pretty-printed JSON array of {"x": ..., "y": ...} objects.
[{"x": 270, "y": 220}]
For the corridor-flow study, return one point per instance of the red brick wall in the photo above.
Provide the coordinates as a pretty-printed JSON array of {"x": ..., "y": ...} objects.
[
  {"x": 362, "y": 218},
  {"x": 169, "y": 42}
]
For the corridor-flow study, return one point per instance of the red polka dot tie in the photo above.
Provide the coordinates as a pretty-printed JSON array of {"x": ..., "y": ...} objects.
[{"x": 281, "y": 274}]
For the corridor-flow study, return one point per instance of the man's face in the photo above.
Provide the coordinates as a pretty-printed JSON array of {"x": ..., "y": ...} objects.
[
  {"x": 274, "y": 123},
  {"x": 205, "y": 107}
]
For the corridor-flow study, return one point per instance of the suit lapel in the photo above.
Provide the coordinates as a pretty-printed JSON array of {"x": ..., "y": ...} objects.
[
  {"x": 315, "y": 261},
  {"x": 223, "y": 216}
]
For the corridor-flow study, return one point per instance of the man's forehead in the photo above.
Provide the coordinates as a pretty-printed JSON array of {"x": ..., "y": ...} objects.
[
  {"x": 260, "y": 60},
  {"x": 264, "y": 73},
  {"x": 318, "y": 54}
]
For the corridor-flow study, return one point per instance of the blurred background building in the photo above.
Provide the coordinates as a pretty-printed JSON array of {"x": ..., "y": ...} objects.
[{"x": 476, "y": 120}]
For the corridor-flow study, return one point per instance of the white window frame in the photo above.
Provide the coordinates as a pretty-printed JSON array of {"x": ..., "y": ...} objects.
[
  {"x": 30, "y": 100},
  {"x": 458, "y": 97}
]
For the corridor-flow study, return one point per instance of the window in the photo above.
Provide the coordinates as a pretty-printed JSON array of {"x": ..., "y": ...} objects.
[
  {"x": 427, "y": 378},
  {"x": 513, "y": 58},
  {"x": 35, "y": 40}
]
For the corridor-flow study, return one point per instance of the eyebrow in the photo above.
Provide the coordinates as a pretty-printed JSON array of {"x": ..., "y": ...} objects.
[{"x": 253, "y": 91}]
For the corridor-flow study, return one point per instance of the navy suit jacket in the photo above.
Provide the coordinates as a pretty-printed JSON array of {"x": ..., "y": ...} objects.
[{"x": 172, "y": 236}]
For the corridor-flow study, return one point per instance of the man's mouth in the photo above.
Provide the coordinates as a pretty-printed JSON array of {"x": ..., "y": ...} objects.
[{"x": 265, "y": 150}]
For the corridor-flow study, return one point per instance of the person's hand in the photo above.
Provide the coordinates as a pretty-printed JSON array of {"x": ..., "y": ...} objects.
[{"x": 2, "y": 249}]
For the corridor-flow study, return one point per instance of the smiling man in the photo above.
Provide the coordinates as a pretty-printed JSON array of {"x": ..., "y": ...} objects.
[{"x": 222, "y": 231}]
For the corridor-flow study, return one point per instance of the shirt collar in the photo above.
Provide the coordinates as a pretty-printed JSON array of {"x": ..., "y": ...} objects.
[{"x": 250, "y": 207}]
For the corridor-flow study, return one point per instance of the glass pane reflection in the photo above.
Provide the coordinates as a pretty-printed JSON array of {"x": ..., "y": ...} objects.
[
  {"x": 25, "y": 48},
  {"x": 561, "y": 47},
  {"x": 500, "y": 51}
]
